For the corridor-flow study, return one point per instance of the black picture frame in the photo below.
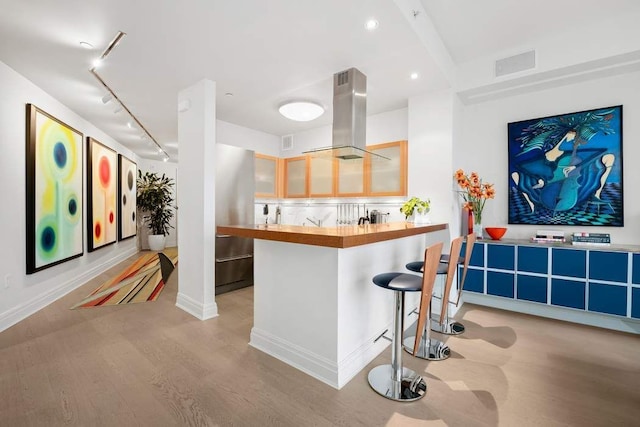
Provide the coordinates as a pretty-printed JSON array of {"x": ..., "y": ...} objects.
[
  {"x": 102, "y": 195},
  {"x": 127, "y": 206},
  {"x": 567, "y": 169},
  {"x": 54, "y": 191}
]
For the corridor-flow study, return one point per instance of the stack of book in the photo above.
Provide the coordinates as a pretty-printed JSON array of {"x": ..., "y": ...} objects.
[
  {"x": 548, "y": 236},
  {"x": 594, "y": 239}
]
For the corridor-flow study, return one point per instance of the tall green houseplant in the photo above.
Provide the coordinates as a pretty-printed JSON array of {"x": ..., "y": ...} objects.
[{"x": 155, "y": 200}]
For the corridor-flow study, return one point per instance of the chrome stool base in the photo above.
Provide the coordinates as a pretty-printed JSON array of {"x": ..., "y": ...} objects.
[
  {"x": 435, "y": 350},
  {"x": 411, "y": 387},
  {"x": 450, "y": 327}
]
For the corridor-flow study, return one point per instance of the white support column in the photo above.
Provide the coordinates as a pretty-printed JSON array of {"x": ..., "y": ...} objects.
[{"x": 196, "y": 199}]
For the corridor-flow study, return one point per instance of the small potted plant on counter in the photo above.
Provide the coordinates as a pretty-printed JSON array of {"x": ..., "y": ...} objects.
[
  {"x": 416, "y": 210},
  {"x": 155, "y": 199}
]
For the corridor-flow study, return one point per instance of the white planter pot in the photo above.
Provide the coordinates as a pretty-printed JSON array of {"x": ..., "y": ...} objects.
[
  {"x": 156, "y": 242},
  {"x": 420, "y": 218}
]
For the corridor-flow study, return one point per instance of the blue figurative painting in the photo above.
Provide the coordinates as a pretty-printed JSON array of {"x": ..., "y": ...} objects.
[{"x": 567, "y": 169}]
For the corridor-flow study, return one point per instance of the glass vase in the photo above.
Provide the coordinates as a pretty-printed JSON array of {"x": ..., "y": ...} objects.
[{"x": 477, "y": 225}]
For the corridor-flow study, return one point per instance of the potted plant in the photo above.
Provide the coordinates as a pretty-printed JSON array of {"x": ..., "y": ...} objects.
[
  {"x": 416, "y": 210},
  {"x": 155, "y": 199}
]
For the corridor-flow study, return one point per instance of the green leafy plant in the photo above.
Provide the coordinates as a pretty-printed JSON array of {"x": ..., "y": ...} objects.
[
  {"x": 155, "y": 198},
  {"x": 415, "y": 204}
]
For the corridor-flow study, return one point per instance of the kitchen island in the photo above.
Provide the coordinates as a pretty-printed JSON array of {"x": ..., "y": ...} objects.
[{"x": 315, "y": 306}]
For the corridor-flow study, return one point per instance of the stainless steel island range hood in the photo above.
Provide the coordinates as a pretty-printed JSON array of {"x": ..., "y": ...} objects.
[{"x": 349, "y": 117}]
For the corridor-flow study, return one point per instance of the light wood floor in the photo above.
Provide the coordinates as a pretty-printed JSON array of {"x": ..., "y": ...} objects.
[{"x": 152, "y": 364}]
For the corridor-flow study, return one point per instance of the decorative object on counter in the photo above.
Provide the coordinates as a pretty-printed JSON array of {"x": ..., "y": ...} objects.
[
  {"x": 416, "y": 210},
  {"x": 567, "y": 169},
  {"x": 475, "y": 194},
  {"x": 155, "y": 199},
  {"x": 591, "y": 239},
  {"x": 265, "y": 212},
  {"x": 496, "y": 233},
  {"x": 278, "y": 215},
  {"x": 549, "y": 236}
]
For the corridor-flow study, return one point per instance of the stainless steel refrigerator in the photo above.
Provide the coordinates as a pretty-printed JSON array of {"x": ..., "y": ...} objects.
[{"x": 235, "y": 189}]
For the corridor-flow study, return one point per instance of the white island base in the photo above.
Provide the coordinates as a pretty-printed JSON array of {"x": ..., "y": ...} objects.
[{"x": 317, "y": 309}]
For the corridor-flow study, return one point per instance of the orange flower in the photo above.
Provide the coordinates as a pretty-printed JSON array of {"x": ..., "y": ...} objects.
[{"x": 474, "y": 192}]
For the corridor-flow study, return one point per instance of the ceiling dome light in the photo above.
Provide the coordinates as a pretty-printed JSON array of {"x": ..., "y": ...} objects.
[
  {"x": 371, "y": 24},
  {"x": 414, "y": 76},
  {"x": 301, "y": 111}
]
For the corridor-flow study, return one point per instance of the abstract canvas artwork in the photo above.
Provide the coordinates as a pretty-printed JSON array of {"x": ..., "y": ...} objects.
[
  {"x": 53, "y": 191},
  {"x": 127, "y": 172},
  {"x": 102, "y": 194},
  {"x": 567, "y": 169}
]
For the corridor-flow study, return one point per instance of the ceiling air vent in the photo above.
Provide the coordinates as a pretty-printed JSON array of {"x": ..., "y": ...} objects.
[
  {"x": 516, "y": 63},
  {"x": 287, "y": 142}
]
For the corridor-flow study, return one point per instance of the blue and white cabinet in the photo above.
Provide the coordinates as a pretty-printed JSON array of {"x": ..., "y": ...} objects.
[{"x": 566, "y": 282}]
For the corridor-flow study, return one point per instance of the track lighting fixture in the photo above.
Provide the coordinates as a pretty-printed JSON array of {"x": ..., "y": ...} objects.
[{"x": 120, "y": 105}]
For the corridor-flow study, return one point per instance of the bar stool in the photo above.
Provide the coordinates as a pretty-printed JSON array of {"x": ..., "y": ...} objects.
[
  {"x": 394, "y": 381},
  {"x": 452, "y": 327},
  {"x": 445, "y": 325}
]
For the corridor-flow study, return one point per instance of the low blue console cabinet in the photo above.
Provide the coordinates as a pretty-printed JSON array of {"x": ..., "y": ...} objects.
[{"x": 594, "y": 285}]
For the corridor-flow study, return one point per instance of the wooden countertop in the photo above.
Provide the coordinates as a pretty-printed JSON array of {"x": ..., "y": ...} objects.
[{"x": 332, "y": 237}]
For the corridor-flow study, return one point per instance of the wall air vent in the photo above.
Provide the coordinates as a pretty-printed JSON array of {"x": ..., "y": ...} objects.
[
  {"x": 287, "y": 142},
  {"x": 513, "y": 64}
]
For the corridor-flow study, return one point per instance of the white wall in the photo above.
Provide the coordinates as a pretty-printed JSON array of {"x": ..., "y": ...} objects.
[
  {"x": 431, "y": 151},
  {"x": 22, "y": 294},
  {"x": 383, "y": 127},
  {"x": 483, "y": 144},
  {"x": 238, "y": 136}
]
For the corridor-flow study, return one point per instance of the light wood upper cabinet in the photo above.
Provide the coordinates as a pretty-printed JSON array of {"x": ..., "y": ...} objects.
[
  {"x": 350, "y": 178},
  {"x": 268, "y": 171},
  {"x": 296, "y": 177},
  {"x": 387, "y": 177},
  {"x": 321, "y": 176}
]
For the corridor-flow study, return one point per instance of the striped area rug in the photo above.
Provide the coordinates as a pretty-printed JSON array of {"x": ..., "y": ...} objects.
[{"x": 142, "y": 281}]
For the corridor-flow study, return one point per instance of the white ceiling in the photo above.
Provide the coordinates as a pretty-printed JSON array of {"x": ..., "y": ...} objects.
[{"x": 264, "y": 52}]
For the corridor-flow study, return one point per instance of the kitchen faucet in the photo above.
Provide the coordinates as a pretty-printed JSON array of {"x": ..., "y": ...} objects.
[{"x": 317, "y": 223}]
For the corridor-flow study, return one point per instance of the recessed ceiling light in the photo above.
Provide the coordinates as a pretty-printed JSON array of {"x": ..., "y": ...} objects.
[
  {"x": 97, "y": 63},
  {"x": 371, "y": 24},
  {"x": 86, "y": 45},
  {"x": 414, "y": 76},
  {"x": 229, "y": 94},
  {"x": 301, "y": 111},
  {"x": 130, "y": 124}
]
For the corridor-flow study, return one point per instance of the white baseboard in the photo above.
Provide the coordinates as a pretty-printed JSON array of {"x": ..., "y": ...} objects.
[
  {"x": 337, "y": 375},
  {"x": 22, "y": 311},
  {"x": 195, "y": 308},
  {"x": 351, "y": 365},
  {"x": 317, "y": 366}
]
